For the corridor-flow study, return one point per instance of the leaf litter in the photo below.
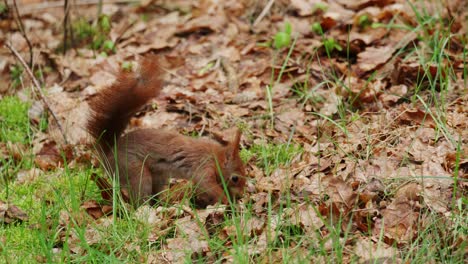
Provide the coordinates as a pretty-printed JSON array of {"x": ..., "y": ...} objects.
[{"x": 376, "y": 157}]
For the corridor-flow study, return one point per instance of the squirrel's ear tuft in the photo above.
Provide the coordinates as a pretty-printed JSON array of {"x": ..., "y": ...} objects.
[
  {"x": 230, "y": 137},
  {"x": 234, "y": 140}
]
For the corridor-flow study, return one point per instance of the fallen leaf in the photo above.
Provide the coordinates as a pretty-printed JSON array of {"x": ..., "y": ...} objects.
[
  {"x": 306, "y": 7},
  {"x": 28, "y": 176},
  {"x": 279, "y": 180},
  {"x": 410, "y": 192},
  {"x": 416, "y": 116},
  {"x": 373, "y": 57},
  {"x": 96, "y": 210},
  {"x": 399, "y": 221},
  {"x": 371, "y": 252},
  {"x": 50, "y": 157},
  {"x": 340, "y": 192},
  {"x": 10, "y": 213}
]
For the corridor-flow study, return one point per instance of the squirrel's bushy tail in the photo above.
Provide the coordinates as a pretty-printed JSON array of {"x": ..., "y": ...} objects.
[{"x": 112, "y": 108}]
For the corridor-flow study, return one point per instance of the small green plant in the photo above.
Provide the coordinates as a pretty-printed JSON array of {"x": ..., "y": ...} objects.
[
  {"x": 364, "y": 21},
  {"x": 95, "y": 33},
  {"x": 83, "y": 29},
  {"x": 14, "y": 118},
  {"x": 105, "y": 23},
  {"x": 16, "y": 72},
  {"x": 283, "y": 38},
  {"x": 317, "y": 28},
  {"x": 108, "y": 46},
  {"x": 39, "y": 74},
  {"x": 3, "y": 9},
  {"x": 331, "y": 44},
  {"x": 127, "y": 65}
]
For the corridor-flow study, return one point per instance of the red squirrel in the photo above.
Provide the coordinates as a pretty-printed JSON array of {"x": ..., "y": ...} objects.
[{"x": 145, "y": 159}]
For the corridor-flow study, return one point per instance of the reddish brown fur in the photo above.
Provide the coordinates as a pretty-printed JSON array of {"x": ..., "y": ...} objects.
[
  {"x": 112, "y": 108},
  {"x": 147, "y": 158}
]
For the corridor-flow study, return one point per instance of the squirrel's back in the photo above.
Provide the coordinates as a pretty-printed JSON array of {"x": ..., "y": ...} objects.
[{"x": 112, "y": 108}]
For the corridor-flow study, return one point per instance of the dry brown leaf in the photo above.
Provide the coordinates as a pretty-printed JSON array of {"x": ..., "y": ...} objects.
[
  {"x": 393, "y": 94},
  {"x": 157, "y": 258},
  {"x": 260, "y": 201},
  {"x": 416, "y": 116},
  {"x": 306, "y": 7},
  {"x": 370, "y": 252},
  {"x": 28, "y": 176},
  {"x": 289, "y": 119},
  {"x": 399, "y": 221},
  {"x": 72, "y": 115},
  {"x": 279, "y": 180},
  {"x": 96, "y": 210},
  {"x": 13, "y": 150},
  {"x": 50, "y": 157},
  {"x": 338, "y": 13},
  {"x": 254, "y": 226},
  {"x": 10, "y": 213},
  {"x": 207, "y": 22},
  {"x": 179, "y": 248},
  {"x": 340, "y": 192},
  {"x": 373, "y": 57},
  {"x": 367, "y": 37},
  {"x": 306, "y": 216},
  {"x": 92, "y": 237},
  {"x": 410, "y": 192}
]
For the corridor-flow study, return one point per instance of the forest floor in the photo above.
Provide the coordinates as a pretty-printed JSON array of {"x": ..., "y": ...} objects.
[{"x": 354, "y": 119}]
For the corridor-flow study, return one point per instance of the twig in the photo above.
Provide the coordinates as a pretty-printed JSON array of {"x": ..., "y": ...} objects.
[
  {"x": 23, "y": 32},
  {"x": 38, "y": 88},
  {"x": 264, "y": 12},
  {"x": 66, "y": 11}
]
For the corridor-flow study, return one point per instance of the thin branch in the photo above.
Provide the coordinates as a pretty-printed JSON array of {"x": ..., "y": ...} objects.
[
  {"x": 66, "y": 11},
  {"x": 23, "y": 32},
  {"x": 38, "y": 88},
  {"x": 264, "y": 12},
  {"x": 69, "y": 26}
]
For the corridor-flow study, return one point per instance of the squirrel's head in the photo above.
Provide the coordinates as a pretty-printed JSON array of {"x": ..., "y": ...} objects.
[{"x": 232, "y": 167}]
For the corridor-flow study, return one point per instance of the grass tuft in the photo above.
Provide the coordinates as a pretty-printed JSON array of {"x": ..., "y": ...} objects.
[{"x": 14, "y": 118}]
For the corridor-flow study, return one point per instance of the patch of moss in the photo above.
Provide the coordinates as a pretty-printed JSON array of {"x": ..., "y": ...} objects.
[{"x": 14, "y": 120}]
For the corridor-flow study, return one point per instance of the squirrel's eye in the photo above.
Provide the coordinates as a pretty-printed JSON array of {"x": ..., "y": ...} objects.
[{"x": 234, "y": 178}]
